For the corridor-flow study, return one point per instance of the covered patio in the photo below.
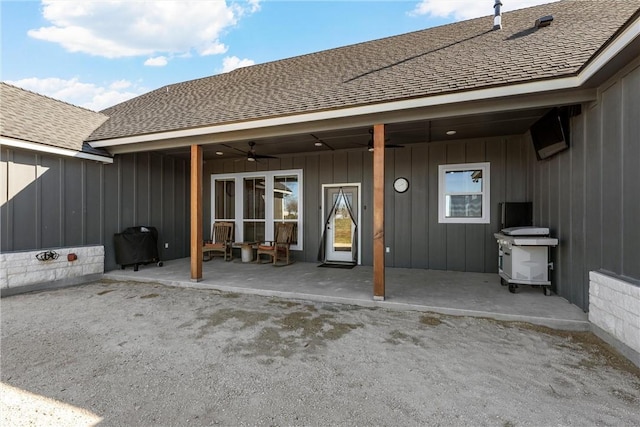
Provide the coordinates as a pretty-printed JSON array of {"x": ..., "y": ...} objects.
[{"x": 444, "y": 292}]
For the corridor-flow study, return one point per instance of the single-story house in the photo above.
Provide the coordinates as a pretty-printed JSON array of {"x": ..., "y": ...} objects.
[{"x": 414, "y": 139}]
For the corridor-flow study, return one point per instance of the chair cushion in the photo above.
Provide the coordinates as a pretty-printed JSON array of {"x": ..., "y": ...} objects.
[{"x": 265, "y": 248}]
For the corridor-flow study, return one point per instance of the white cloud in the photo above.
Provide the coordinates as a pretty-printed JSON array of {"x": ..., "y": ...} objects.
[
  {"x": 467, "y": 9},
  {"x": 115, "y": 29},
  {"x": 87, "y": 95},
  {"x": 230, "y": 63},
  {"x": 157, "y": 61}
]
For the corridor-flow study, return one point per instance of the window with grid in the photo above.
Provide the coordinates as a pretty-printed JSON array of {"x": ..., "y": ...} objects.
[{"x": 464, "y": 193}]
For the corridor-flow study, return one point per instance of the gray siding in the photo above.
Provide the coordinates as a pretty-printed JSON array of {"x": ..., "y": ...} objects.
[
  {"x": 412, "y": 231},
  {"x": 52, "y": 202},
  {"x": 590, "y": 195}
]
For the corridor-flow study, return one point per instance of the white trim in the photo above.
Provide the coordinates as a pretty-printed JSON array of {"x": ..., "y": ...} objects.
[
  {"x": 269, "y": 219},
  {"x": 322, "y": 212},
  {"x": 53, "y": 150},
  {"x": 486, "y": 193}
]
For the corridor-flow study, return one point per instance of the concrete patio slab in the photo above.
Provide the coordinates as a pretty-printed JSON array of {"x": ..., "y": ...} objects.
[{"x": 444, "y": 292}]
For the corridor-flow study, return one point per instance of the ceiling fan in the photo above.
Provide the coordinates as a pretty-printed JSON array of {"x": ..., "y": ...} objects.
[
  {"x": 251, "y": 154},
  {"x": 370, "y": 143}
]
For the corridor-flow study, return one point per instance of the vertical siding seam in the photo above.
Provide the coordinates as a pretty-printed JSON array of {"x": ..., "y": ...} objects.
[
  {"x": 585, "y": 274},
  {"x": 101, "y": 222},
  {"x": 600, "y": 144},
  {"x": 83, "y": 202},
  {"x": 38, "y": 202},
  {"x": 11, "y": 210},
  {"x": 62, "y": 193},
  {"x": 162, "y": 199},
  {"x": 134, "y": 202},
  {"x": 621, "y": 170},
  {"x": 119, "y": 194},
  {"x": 148, "y": 186}
]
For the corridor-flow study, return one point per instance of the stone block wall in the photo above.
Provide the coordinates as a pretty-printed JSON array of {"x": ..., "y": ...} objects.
[
  {"x": 614, "y": 307},
  {"x": 23, "y": 269}
]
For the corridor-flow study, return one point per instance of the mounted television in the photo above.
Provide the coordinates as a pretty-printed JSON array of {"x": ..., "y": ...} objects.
[{"x": 550, "y": 134}]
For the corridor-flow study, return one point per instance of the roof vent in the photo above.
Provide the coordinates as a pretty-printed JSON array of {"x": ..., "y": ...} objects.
[
  {"x": 545, "y": 21},
  {"x": 497, "y": 15}
]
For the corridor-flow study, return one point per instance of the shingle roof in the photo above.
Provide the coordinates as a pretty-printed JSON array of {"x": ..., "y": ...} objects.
[
  {"x": 451, "y": 58},
  {"x": 35, "y": 118}
]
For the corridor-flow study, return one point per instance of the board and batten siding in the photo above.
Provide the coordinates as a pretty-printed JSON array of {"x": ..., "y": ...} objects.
[
  {"x": 589, "y": 195},
  {"x": 412, "y": 232},
  {"x": 55, "y": 202}
]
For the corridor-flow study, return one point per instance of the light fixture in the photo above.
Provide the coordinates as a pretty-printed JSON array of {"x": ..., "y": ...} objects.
[
  {"x": 219, "y": 153},
  {"x": 251, "y": 159},
  {"x": 451, "y": 132},
  {"x": 318, "y": 144}
]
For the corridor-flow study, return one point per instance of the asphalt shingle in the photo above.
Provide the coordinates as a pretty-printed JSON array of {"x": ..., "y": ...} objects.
[
  {"x": 457, "y": 57},
  {"x": 35, "y": 118}
]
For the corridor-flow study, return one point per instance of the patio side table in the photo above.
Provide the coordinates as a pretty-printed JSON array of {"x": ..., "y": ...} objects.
[{"x": 246, "y": 250}]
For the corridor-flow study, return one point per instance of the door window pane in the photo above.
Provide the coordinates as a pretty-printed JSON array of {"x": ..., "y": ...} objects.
[
  {"x": 254, "y": 198},
  {"x": 285, "y": 197},
  {"x": 225, "y": 199},
  {"x": 254, "y": 231}
]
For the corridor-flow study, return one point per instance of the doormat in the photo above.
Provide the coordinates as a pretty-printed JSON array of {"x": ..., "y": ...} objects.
[{"x": 337, "y": 265}]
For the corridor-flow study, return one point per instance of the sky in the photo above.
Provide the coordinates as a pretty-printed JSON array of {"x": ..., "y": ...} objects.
[{"x": 98, "y": 53}]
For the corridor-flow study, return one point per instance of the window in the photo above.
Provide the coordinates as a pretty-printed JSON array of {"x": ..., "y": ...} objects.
[
  {"x": 257, "y": 201},
  {"x": 225, "y": 199},
  {"x": 253, "y": 209},
  {"x": 463, "y": 193},
  {"x": 285, "y": 201}
]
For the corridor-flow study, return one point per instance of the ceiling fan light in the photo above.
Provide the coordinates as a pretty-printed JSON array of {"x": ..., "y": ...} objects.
[
  {"x": 451, "y": 132},
  {"x": 251, "y": 159},
  {"x": 219, "y": 153},
  {"x": 370, "y": 149}
]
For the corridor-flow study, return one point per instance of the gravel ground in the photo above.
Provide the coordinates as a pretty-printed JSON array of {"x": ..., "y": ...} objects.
[{"x": 144, "y": 354}]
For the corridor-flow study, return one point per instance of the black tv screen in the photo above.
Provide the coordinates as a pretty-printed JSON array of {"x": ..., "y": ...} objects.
[{"x": 550, "y": 134}]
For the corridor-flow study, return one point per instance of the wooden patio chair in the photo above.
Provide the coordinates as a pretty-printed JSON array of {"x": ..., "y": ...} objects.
[
  {"x": 278, "y": 249},
  {"x": 221, "y": 242}
]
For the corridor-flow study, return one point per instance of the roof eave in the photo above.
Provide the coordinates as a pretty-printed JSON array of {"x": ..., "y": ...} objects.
[
  {"x": 526, "y": 91},
  {"x": 42, "y": 148}
]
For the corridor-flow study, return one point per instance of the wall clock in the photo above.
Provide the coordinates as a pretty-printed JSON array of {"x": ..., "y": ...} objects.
[{"x": 401, "y": 184}]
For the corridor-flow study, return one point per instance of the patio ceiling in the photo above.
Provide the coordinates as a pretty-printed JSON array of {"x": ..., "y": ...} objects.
[{"x": 357, "y": 138}]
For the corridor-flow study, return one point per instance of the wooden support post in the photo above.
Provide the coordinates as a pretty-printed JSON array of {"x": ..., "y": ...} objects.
[
  {"x": 378, "y": 212},
  {"x": 196, "y": 213}
]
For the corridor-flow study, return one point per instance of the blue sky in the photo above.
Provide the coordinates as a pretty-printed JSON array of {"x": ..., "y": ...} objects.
[{"x": 98, "y": 53}]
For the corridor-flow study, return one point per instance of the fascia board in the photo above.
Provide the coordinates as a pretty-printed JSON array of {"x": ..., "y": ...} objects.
[{"x": 16, "y": 143}]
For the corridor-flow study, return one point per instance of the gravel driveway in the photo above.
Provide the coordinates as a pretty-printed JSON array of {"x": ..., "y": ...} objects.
[{"x": 146, "y": 354}]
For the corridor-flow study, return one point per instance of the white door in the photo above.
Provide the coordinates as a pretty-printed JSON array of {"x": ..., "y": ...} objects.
[{"x": 341, "y": 203}]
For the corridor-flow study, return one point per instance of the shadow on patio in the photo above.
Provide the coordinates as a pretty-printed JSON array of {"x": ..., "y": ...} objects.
[{"x": 444, "y": 292}]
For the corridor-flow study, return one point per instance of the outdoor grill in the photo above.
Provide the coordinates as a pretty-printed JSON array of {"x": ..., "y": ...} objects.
[{"x": 523, "y": 257}]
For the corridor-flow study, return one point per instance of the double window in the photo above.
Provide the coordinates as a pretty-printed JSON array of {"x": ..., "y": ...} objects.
[
  {"x": 463, "y": 193},
  {"x": 257, "y": 201}
]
